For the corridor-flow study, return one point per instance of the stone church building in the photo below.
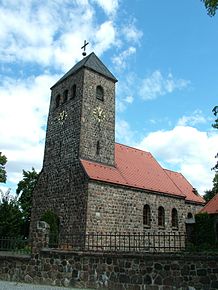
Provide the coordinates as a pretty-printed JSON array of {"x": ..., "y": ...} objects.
[{"x": 94, "y": 184}]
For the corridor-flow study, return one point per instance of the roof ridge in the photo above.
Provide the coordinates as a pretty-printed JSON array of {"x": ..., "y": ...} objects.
[
  {"x": 91, "y": 62},
  {"x": 174, "y": 182},
  {"x": 117, "y": 143},
  {"x": 172, "y": 170},
  {"x": 87, "y": 58}
]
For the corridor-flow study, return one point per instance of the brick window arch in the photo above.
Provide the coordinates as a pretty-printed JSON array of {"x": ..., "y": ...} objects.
[
  {"x": 174, "y": 218},
  {"x": 73, "y": 91},
  {"x": 100, "y": 93},
  {"x": 65, "y": 96},
  {"x": 161, "y": 216},
  {"x": 146, "y": 215},
  {"x": 57, "y": 100}
]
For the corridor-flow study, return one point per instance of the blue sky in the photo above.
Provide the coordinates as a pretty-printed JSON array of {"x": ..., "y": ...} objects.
[{"x": 163, "y": 53}]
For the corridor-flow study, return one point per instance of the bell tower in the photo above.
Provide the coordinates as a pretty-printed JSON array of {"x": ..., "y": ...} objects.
[
  {"x": 81, "y": 125},
  {"x": 81, "y": 121}
]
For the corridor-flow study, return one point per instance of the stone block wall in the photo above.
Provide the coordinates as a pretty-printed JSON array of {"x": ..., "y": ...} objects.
[
  {"x": 114, "y": 271},
  {"x": 114, "y": 208},
  {"x": 92, "y": 130},
  {"x": 62, "y": 184}
]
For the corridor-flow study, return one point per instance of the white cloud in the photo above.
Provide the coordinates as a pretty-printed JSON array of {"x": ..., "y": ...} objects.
[
  {"x": 24, "y": 107},
  {"x": 121, "y": 59},
  {"x": 129, "y": 99},
  {"x": 187, "y": 150},
  {"x": 45, "y": 36},
  {"x": 109, "y": 6},
  {"x": 156, "y": 85},
  {"x": 125, "y": 92},
  {"x": 105, "y": 37},
  {"x": 124, "y": 134},
  {"x": 132, "y": 33},
  {"x": 51, "y": 33},
  {"x": 194, "y": 119}
]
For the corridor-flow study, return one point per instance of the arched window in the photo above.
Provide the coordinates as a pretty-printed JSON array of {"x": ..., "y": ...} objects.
[
  {"x": 189, "y": 216},
  {"x": 146, "y": 215},
  {"x": 57, "y": 100},
  {"x": 65, "y": 96},
  {"x": 100, "y": 93},
  {"x": 73, "y": 91},
  {"x": 174, "y": 218},
  {"x": 161, "y": 217}
]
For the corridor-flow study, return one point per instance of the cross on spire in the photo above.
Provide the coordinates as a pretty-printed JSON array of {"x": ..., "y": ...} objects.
[{"x": 84, "y": 47}]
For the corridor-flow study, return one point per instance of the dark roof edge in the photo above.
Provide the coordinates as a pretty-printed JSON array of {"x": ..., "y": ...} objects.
[
  {"x": 83, "y": 63},
  {"x": 195, "y": 202}
]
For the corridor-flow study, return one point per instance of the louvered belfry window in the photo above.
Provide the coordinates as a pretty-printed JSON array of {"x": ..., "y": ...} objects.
[
  {"x": 73, "y": 91},
  {"x": 100, "y": 93},
  {"x": 57, "y": 100}
]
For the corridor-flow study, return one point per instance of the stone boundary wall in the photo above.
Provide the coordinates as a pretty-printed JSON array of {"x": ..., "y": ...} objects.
[{"x": 113, "y": 271}]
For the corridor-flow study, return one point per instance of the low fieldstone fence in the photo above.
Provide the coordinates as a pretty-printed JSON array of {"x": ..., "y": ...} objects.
[
  {"x": 108, "y": 270},
  {"x": 112, "y": 270}
]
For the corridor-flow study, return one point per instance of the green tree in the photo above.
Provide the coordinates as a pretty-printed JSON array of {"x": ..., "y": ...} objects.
[
  {"x": 204, "y": 230},
  {"x": 215, "y": 125},
  {"x": 3, "y": 161},
  {"x": 211, "y": 6},
  {"x": 11, "y": 219},
  {"x": 25, "y": 189},
  {"x": 52, "y": 219},
  {"x": 209, "y": 194},
  {"x": 215, "y": 112}
]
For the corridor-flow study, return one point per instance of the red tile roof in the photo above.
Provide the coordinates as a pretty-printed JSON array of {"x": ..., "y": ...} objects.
[
  {"x": 184, "y": 186},
  {"x": 212, "y": 206},
  {"x": 139, "y": 169}
]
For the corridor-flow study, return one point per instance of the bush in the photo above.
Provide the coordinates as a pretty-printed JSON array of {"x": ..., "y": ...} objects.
[
  {"x": 204, "y": 230},
  {"x": 52, "y": 219}
]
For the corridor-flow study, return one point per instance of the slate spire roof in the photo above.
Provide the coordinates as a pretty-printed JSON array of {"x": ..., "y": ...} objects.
[
  {"x": 91, "y": 62},
  {"x": 139, "y": 169}
]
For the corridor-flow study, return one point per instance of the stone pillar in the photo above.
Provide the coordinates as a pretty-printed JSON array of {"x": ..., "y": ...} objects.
[{"x": 40, "y": 237}]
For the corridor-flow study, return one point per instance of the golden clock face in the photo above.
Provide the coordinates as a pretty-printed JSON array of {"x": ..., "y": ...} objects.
[
  {"x": 99, "y": 114},
  {"x": 62, "y": 117}
]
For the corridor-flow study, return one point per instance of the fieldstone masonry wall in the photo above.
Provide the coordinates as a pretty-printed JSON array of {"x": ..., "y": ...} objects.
[
  {"x": 62, "y": 184},
  {"x": 113, "y": 208},
  {"x": 114, "y": 271},
  {"x": 91, "y": 130}
]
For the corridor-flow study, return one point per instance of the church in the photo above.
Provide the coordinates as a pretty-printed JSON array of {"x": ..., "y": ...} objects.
[{"x": 90, "y": 182}]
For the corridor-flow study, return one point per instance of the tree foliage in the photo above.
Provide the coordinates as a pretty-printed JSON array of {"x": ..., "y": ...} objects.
[
  {"x": 11, "y": 219},
  {"x": 52, "y": 219},
  {"x": 25, "y": 189},
  {"x": 204, "y": 230},
  {"x": 3, "y": 175},
  {"x": 215, "y": 125},
  {"x": 215, "y": 112},
  {"x": 209, "y": 194},
  {"x": 211, "y": 6}
]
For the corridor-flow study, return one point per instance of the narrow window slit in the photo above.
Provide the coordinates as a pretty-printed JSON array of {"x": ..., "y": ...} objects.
[{"x": 98, "y": 148}]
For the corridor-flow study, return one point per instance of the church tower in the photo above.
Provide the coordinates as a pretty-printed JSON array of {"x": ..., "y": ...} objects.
[
  {"x": 81, "y": 121},
  {"x": 81, "y": 125}
]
